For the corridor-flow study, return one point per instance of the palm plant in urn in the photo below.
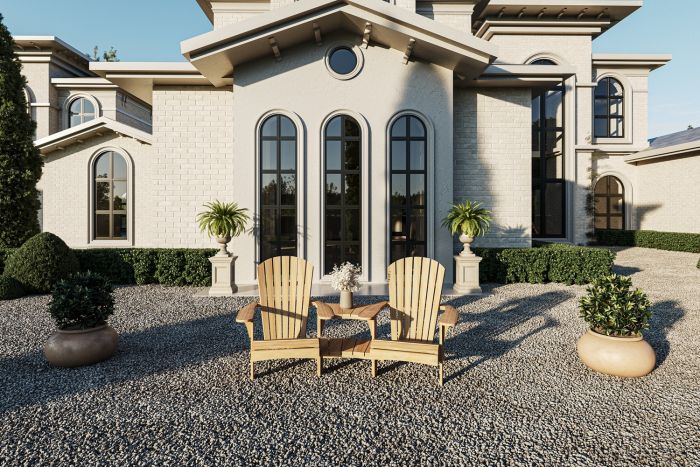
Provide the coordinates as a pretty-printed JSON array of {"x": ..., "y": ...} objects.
[
  {"x": 223, "y": 221},
  {"x": 470, "y": 220},
  {"x": 346, "y": 279}
]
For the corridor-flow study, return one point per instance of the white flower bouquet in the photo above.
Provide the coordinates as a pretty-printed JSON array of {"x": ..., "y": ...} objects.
[{"x": 345, "y": 278}]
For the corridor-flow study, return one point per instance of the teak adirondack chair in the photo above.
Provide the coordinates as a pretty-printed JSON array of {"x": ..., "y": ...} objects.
[
  {"x": 285, "y": 292},
  {"x": 415, "y": 286}
]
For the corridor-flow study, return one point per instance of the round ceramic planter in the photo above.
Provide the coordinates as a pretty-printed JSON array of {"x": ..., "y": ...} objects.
[
  {"x": 81, "y": 347},
  {"x": 628, "y": 357}
]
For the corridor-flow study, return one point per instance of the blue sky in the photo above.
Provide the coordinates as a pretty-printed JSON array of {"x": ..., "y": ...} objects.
[{"x": 154, "y": 34}]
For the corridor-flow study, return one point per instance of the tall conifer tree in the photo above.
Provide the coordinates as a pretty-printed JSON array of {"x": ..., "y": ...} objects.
[{"x": 20, "y": 161}]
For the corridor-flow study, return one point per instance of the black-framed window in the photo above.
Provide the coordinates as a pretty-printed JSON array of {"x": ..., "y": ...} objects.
[
  {"x": 81, "y": 110},
  {"x": 408, "y": 188},
  {"x": 609, "y": 207},
  {"x": 342, "y": 192},
  {"x": 548, "y": 184},
  {"x": 278, "y": 187},
  {"x": 609, "y": 112},
  {"x": 110, "y": 175}
]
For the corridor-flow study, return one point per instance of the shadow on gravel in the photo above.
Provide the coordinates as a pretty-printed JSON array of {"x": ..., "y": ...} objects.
[
  {"x": 666, "y": 315},
  {"x": 484, "y": 341},
  {"x": 625, "y": 270},
  {"x": 29, "y": 379}
]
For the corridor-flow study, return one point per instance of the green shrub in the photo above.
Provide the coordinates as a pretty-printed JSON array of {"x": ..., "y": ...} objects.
[
  {"x": 4, "y": 254},
  {"x": 672, "y": 241},
  {"x": 41, "y": 263},
  {"x": 10, "y": 288},
  {"x": 169, "y": 267},
  {"x": 82, "y": 301},
  {"x": 553, "y": 263},
  {"x": 612, "y": 308},
  {"x": 698, "y": 264}
]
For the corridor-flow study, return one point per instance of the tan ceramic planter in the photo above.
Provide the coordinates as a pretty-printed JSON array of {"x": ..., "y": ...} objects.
[
  {"x": 629, "y": 357},
  {"x": 81, "y": 347}
]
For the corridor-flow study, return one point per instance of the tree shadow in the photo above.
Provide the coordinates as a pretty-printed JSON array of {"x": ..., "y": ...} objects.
[
  {"x": 625, "y": 270},
  {"x": 483, "y": 340},
  {"x": 140, "y": 354},
  {"x": 665, "y": 315}
]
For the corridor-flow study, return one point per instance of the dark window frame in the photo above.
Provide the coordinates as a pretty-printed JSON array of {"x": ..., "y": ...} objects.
[
  {"x": 409, "y": 244},
  {"x": 110, "y": 180},
  {"x": 540, "y": 132},
  {"x": 278, "y": 243},
  {"x": 343, "y": 207},
  {"x": 609, "y": 99},
  {"x": 608, "y": 215}
]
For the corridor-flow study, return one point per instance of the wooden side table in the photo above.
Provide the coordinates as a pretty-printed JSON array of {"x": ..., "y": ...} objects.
[{"x": 349, "y": 347}]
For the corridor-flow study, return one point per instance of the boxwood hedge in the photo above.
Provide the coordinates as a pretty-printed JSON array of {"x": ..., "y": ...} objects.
[
  {"x": 551, "y": 263},
  {"x": 672, "y": 241}
]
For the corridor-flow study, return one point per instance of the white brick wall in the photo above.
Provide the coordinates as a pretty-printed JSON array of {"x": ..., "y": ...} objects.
[
  {"x": 192, "y": 163},
  {"x": 492, "y": 144}
]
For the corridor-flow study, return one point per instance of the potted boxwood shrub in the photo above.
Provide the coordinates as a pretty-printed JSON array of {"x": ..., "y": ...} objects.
[
  {"x": 223, "y": 221},
  {"x": 470, "y": 220},
  {"x": 617, "y": 315},
  {"x": 80, "y": 305}
]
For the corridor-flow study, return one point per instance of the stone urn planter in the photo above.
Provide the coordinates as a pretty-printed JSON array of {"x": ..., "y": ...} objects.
[
  {"x": 223, "y": 243},
  {"x": 628, "y": 357},
  {"x": 72, "y": 348},
  {"x": 466, "y": 245}
]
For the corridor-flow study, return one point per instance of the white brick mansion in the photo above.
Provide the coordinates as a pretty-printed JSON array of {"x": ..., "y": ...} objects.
[{"x": 348, "y": 127}]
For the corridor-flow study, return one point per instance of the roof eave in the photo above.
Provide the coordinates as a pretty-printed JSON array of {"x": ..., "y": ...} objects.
[
  {"x": 80, "y": 133},
  {"x": 684, "y": 149}
]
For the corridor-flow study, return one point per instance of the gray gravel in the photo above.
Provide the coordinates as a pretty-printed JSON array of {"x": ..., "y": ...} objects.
[{"x": 177, "y": 391}]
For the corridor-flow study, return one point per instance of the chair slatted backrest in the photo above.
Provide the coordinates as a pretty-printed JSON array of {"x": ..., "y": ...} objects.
[
  {"x": 285, "y": 291},
  {"x": 415, "y": 287}
]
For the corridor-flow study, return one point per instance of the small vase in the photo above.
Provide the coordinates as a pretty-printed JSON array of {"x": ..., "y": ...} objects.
[
  {"x": 466, "y": 241},
  {"x": 223, "y": 241},
  {"x": 345, "y": 299}
]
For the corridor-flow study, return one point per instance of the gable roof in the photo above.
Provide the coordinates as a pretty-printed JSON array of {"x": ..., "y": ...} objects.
[
  {"x": 216, "y": 53},
  {"x": 80, "y": 133},
  {"x": 686, "y": 136}
]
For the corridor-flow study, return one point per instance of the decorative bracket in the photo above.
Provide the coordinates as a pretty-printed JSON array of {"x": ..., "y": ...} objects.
[
  {"x": 365, "y": 35},
  {"x": 581, "y": 13},
  {"x": 409, "y": 50},
  {"x": 317, "y": 34},
  {"x": 275, "y": 48}
]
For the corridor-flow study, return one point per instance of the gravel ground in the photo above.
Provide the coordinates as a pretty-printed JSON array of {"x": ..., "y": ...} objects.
[{"x": 177, "y": 391}]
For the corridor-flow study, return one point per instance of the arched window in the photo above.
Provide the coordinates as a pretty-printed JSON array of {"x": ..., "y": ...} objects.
[
  {"x": 110, "y": 174},
  {"x": 28, "y": 99},
  {"x": 342, "y": 182},
  {"x": 278, "y": 187},
  {"x": 543, "y": 61},
  {"x": 609, "y": 206},
  {"x": 408, "y": 225},
  {"x": 609, "y": 109},
  {"x": 81, "y": 110}
]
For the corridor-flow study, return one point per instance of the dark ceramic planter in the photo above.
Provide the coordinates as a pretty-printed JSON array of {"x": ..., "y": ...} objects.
[{"x": 81, "y": 347}]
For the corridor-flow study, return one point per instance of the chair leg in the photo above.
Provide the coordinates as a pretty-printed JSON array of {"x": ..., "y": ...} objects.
[
  {"x": 252, "y": 370},
  {"x": 374, "y": 368},
  {"x": 440, "y": 373},
  {"x": 319, "y": 366}
]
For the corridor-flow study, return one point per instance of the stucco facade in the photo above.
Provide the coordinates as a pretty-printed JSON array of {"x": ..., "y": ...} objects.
[{"x": 475, "y": 75}]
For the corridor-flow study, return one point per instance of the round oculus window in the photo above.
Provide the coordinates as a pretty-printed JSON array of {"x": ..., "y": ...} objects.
[{"x": 342, "y": 60}]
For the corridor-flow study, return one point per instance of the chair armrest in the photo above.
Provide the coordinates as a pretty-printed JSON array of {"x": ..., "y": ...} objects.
[
  {"x": 449, "y": 316},
  {"x": 323, "y": 310},
  {"x": 247, "y": 313}
]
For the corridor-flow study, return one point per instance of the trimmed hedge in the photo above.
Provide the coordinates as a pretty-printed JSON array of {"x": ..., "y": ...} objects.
[
  {"x": 699, "y": 264},
  {"x": 169, "y": 267},
  {"x": 552, "y": 263},
  {"x": 41, "y": 262},
  {"x": 10, "y": 288},
  {"x": 4, "y": 254},
  {"x": 672, "y": 241}
]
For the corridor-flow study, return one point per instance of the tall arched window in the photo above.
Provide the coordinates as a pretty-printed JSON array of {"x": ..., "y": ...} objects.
[
  {"x": 110, "y": 176},
  {"x": 609, "y": 109},
  {"x": 81, "y": 110},
  {"x": 408, "y": 188},
  {"x": 609, "y": 206},
  {"x": 342, "y": 182},
  {"x": 278, "y": 187}
]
